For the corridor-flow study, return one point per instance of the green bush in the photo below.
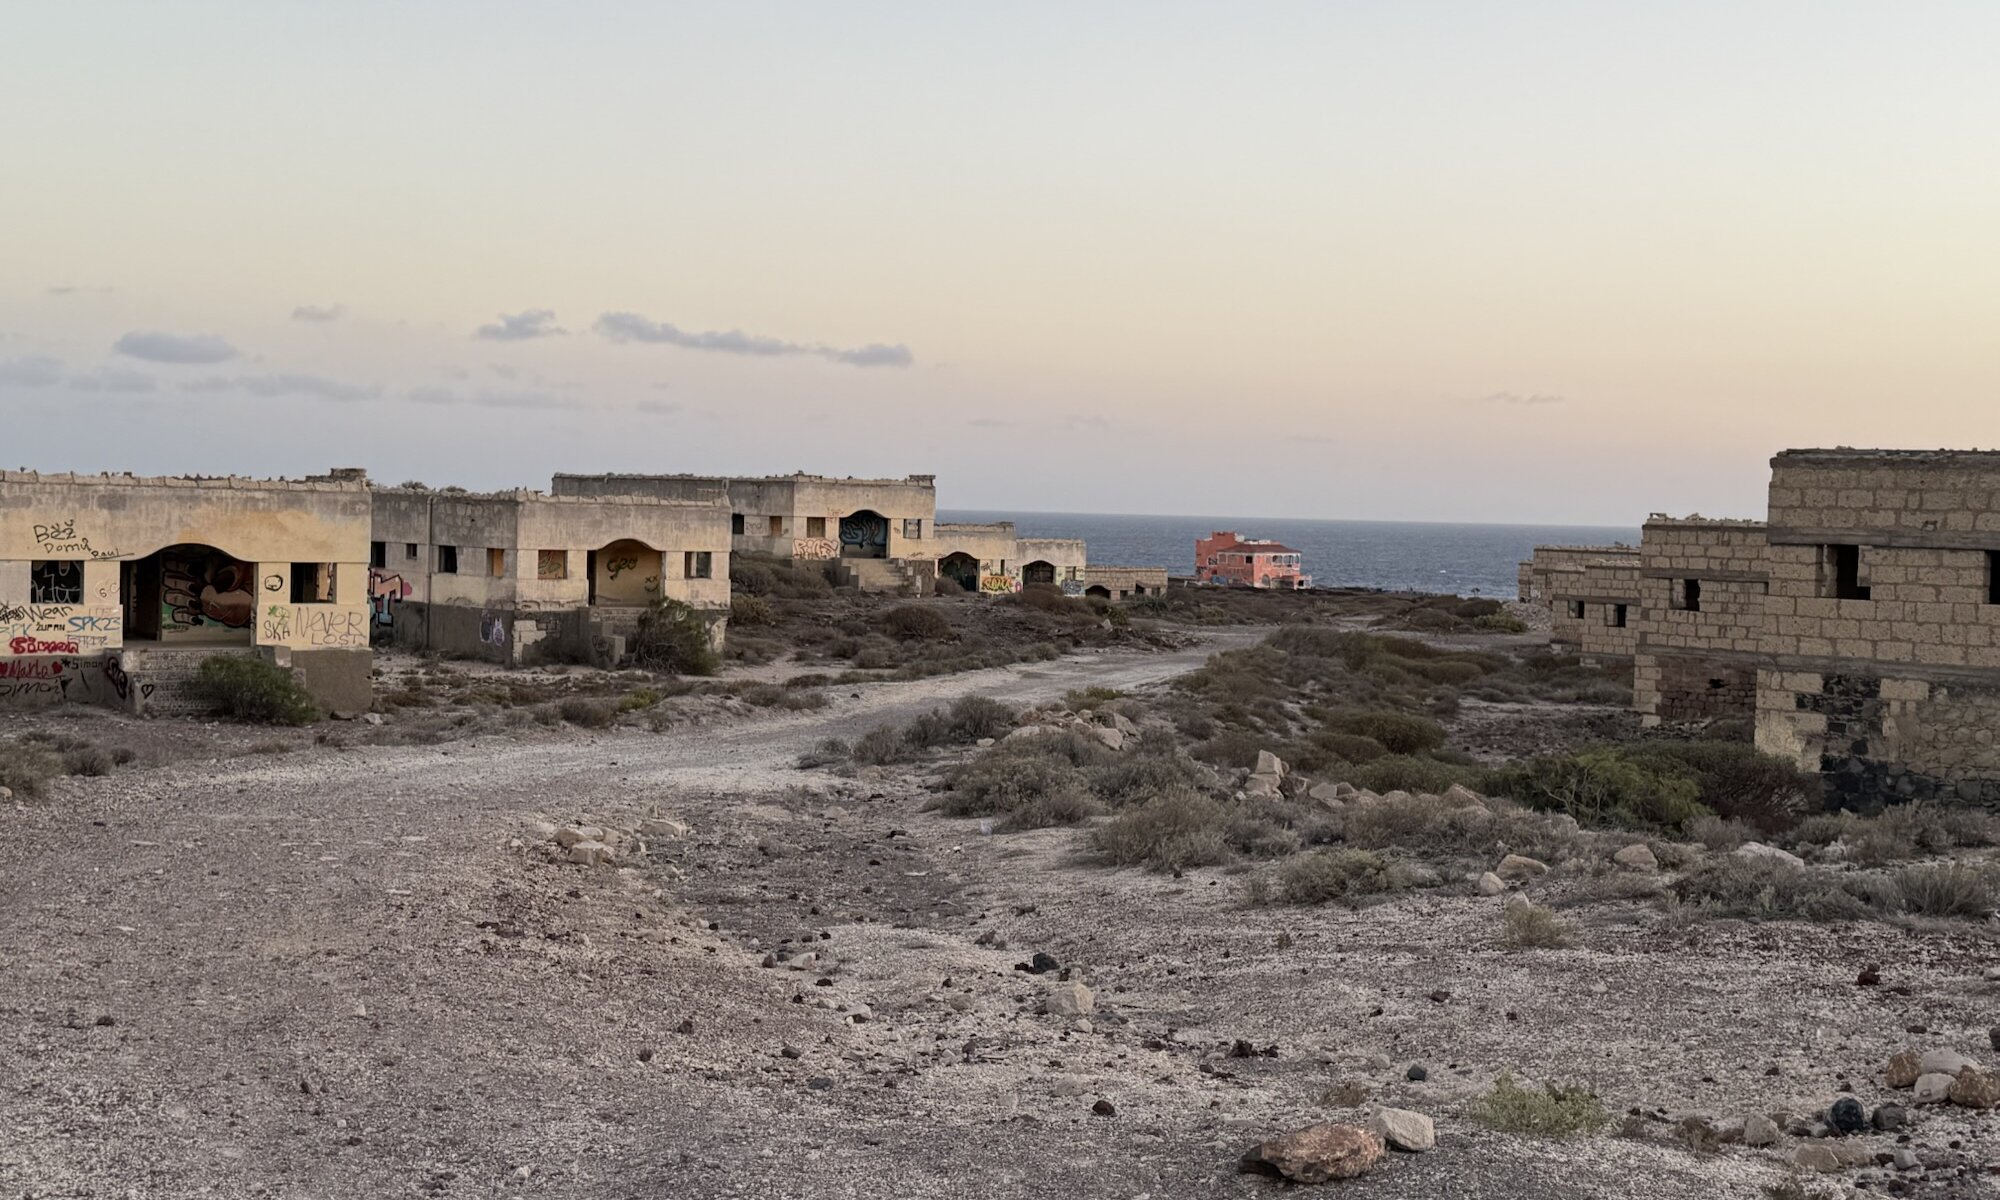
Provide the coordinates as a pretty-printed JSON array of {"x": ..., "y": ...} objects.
[
  {"x": 1015, "y": 773},
  {"x": 1768, "y": 889},
  {"x": 1173, "y": 831},
  {"x": 1397, "y": 732},
  {"x": 916, "y": 623},
  {"x": 879, "y": 746},
  {"x": 1532, "y": 927},
  {"x": 673, "y": 636},
  {"x": 749, "y": 611},
  {"x": 1602, "y": 787},
  {"x": 975, "y": 717},
  {"x": 1500, "y": 622},
  {"x": 1899, "y": 833},
  {"x": 1324, "y": 875},
  {"x": 1406, "y": 773},
  {"x": 26, "y": 768},
  {"x": 1737, "y": 782},
  {"x": 1349, "y": 747},
  {"x": 1552, "y": 1111},
  {"x": 1961, "y": 890},
  {"x": 253, "y": 689},
  {"x": 1152, "y": 770}
]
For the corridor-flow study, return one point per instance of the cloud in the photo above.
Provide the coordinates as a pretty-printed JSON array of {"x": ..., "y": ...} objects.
[
  {"x": 175, "y": 347},
  {"x": 36, "y": 370},
  {"x": 631, "y": 327},
  {"x": 319, "y": 312},
  {"x": 492, "y": 399},
  {"x": 520, "y": 327},
  {"x": 1520, "y": 398}
]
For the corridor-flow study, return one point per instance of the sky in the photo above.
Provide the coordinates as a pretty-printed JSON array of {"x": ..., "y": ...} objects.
[{"x": 1524, "y": 261}]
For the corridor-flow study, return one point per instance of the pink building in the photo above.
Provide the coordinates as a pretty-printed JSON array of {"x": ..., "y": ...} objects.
[{"x": 1249, "y": 562}]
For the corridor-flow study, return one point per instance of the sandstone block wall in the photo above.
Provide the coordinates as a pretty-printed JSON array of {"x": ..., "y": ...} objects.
[{"x": 1702, "y": 589}]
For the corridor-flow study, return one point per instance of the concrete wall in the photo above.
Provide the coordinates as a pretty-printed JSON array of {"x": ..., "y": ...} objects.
[
  {"x": 1126, "y": 582},
  {"x": 808, "y": 508},
  {"x": 995, "y": 546},
  {"x": 82, "y": 576},
  {"x": 1585, "y": 592},
  {"x": 1069, "y": 558},
  {"x": 1700, "y": 644}
]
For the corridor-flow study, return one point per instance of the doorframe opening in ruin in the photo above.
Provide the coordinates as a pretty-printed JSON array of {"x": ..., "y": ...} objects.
[
  {"x": 1039, "y": 573},
  {"x": 619, "y": 557},
  {"x": 864, "y": 533},
  {"x": 961, "y": 568},
  {"x": 206, "y": 594}
]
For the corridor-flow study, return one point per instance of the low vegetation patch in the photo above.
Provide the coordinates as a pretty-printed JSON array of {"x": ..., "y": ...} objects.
[
  {"x": 1898, "y": 833},
  {"x": 673, "y": 636},
  {"x": 1772, "y": 889},
  {"x": 1172, "y": 831},
  {"x": 252, "y": 689},
  {"x": 1554, "y": 1110},
  {"x": 26, "y": 768},
  {"x": 1341, "y": 874},
  {"x": 1532, "y": 927}
]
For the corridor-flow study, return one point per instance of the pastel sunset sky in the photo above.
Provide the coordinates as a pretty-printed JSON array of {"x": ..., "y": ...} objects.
[{"x": 1528, "y": 261}]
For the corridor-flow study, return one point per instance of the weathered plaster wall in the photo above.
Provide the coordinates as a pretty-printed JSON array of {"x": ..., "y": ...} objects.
[{"x": 1125, "y": 582}]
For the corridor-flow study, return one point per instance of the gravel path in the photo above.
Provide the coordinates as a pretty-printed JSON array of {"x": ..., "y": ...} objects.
[{"x": 344, "y": 974}]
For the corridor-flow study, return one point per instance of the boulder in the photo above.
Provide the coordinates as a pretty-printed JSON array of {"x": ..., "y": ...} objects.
[
  {"x": 1637, "y": 857},
  {"x": 1517, "y": 900},
  {"x": 1317, "y": 1153},
  {"x": 1401, "y": 1129},
  {"x": 1330, "y": 793},
  {"x": 1933, "y": 1089},
  {"x": 1759, "y": 1131},
  {"x": 1903, "y": 1069},
  {"x": 1070, "y": 1000},
  {"x": 570, "y": 835},
  {"x": 1823, "y": 1157},
  {"x": 1491, "y": 884},
  {"x": 1943, "y": 1062},
  {"x": 1113, "y": 739},
  {"x": 662, "y": 827},
  {"x": 1974, "y": 1088},
  {"x": 1519, "y": 866},
  {"x": 1269, "y": 764},
  {"x": 1263, "y": 786},
  {"x": 591, "y": 854},
  {"x": 1760, "y": 850},
  {"x": 1888, "y": 1118},
  {"x": 1847, "y": 1115},
  {"x": 1460, "y": 796}
]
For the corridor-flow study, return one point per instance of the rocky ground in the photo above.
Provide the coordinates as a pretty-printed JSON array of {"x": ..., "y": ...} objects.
[{"x": 363, "y": 970}]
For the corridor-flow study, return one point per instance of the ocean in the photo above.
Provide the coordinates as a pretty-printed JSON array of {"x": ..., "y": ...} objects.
[{"x": 1416, "y": 556}]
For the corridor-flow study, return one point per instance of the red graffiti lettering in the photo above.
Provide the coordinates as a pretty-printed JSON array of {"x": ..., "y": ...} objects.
[
  {"x": 31, "y": 669},
  {"x": 28, "y": 645}
]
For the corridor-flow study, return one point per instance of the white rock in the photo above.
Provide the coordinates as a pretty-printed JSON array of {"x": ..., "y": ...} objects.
[
  {"x": 373, "y": 718},
  {"x": 662, "y": 827},
  {"x": 1934, "y": 1088},
  {"x": 591, "y": 853},
  {"x": 542, "y": 831},
  {"x": 1113, "y": 739},
  {"x": 1070, "y": 1000},
  {"x": 1404, "y": 1130},
  {"x": 1329, "y": 793},
  {"x": 1760, "y": 850},
  {"x": 983, "y": 743},
  {"x": 1637, "y": 857},
  {"x": 1520, "y": 866},
  {"x": 570, "y": 835},
  {"x": 1491, "y": 884},
  {"x": 1264, "y": 786},
  {"x": 1943, "y": 1062},
  {"x": 1517, "y": 900},
  {"x": 1269, "y": 764}
]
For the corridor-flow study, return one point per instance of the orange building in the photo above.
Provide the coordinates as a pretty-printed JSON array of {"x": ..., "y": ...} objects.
[{"x": 1249, "y": 562}]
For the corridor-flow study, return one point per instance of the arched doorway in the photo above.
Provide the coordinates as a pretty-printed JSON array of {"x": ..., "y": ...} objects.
[
  {"x": 1098, "y": 590},
  {"x": 625, "y": 573},
  {"x": 961, "y": 568},
  {"x": 1038, "y": 574},
  {"x": 864, "y": 534},
  {"x": 191, "y": 593}
]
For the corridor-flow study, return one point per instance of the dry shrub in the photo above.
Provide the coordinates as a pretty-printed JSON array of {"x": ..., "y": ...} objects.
[
  {"x": 880, "y": 746},
  {"x": 916, "y": 623},
  {"x": 1434, "y": 827},
  {"x": 1532, "y": 927},
  {"x": 25, "y": 768},
  {"x": 1174, "y": 830},
  {"x": 1899, "y": 833},
  {"x": 1397, "y": 732},
  {"x": 253, "y": 689},
  {"x": 827, "y": 752},
  {"x": 1324, "y": 875},
  {"x": 749, "y": 611},
  {"x": 1014, "y": 773},
  {"x": 1962, "y": 890},
  {"x": 86, "y": 760},
  {"x": 1552, "y": 1111},
  {"x": 588, "y": 713}
]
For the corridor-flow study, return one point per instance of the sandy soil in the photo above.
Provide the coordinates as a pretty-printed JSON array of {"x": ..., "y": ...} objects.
[{"x": 344, "y": 973}]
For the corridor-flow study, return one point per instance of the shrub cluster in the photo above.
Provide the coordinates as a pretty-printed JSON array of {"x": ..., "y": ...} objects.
[
  {"x": 253, "y": 689},
  {"x": 672, "y": 636}
]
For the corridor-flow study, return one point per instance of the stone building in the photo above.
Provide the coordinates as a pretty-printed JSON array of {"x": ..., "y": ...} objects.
[
  {"x": 879, "y": 530},
  {"x": 1592, "y": 593},
  {"x": 992, "y": 558},
  {"x": 1702, "y": 586},
  {"x": 1124, "y": 583},
  {"x": 1882, "y": 625},
  {"x": 522, "y": 577},
  {"x": 114, "y": 588}
]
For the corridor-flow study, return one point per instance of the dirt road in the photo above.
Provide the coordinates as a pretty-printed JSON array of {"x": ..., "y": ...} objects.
[{"x": 343, "y": 974}]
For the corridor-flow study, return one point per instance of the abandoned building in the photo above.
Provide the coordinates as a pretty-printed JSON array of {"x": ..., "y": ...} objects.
[
  {"x": 1124, "y": 583},
  {"x": 1866, "y": 609},
  {"x": 521, "y": 577},
  {"x": 1592, "y": 594},
  {"x": 1224, "y": 558},
  {"x": 993, "y": 559},
  {"x": 880, "y": 532},
  {"x": 114, "y": 588}
]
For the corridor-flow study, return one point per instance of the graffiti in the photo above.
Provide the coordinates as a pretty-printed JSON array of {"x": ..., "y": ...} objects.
[
  {"x": 40, "y": 668},
  {"x": 996, "y": 583},
  {"x": 618, "y": 566},
  {"x": 29, "y": 645},
  {"x": 651, "y": 583},
  {"x": 331, "y": 627},
  {"x": 815, "y": 548},
  {"x": 552, "y": 564},
  {"x": 492, "y": 631},
  {"x": 277, "y": 624},
  {"x": 48, "y": 680},
  {"x": 864, "y": 530},
  {"x": 114, "y": 674},
  {"x": 57, "y": 581},
  {"x": 274, "y": 583},
  {"x": 97, "y": 623},
  {"x": 385, "y": 591},
  {"x": 60, "y": 537},
  {"x": 1072, "y": 587},
  {"x": 209, "y": 591}
]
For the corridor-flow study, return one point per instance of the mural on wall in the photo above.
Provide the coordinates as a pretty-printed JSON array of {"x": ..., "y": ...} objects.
[
  {"x": 1074, "y": 587},
  {"x": 204, "y": 589},
  {"x": 278, "y": 624},
  {"x": 996, "y": 583},
  {"x": 552, "y": 564},
  {"x": 813, "y": 548},
  {"x": 864, "y": 534},
  {"x": 628, "y": 573},
  {"x": 385, "y": 592},
  {"x": 492, "y": 630},
  {"x": 56, "y": 581}
]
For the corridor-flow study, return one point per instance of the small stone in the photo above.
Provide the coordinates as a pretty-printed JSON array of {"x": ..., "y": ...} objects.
[
  {"x": 958, "y": 1002},
  {"x": 1903, "y": 1160},
  {"x": 819, "y": 1083},
  {"x": 1890, "y": 1117},
  {"x": 1040, "y": 964},
  {"x": 1517, "y": 900},
  {"x": 1460, "y": 796},
  {"x": 1759, "y": 1131},
  {"x": 1440, "y": 996},
  {"x": 1974, "y": 1088},
  {"x": 1401, "y": 1129},
  {"x": 1903, "y": 1068},
  {"x": 373, "y": 718},
  {"x": 1637, "y": 857},
  {"x": 1818, "y": 1156},
  {"x": 1104, "y": 1108},
  {"x": 1416, "y": 1074},
  {"x": 792, "y": 1052},
  {"x": 591, "y": 854},
  {"x": 1934, "y": 1088},
  {"x": 1847, "y": 1115},
  {"x": 1943, "y": 1062},
  {"x": 1993, "y": 1035},
  {"x": 1316, "y": 1154},
  {"x": 646, "y": 1055},
  {"x": 1760, "y": 850},
  {"x": 1517, "y": 866},
  {"x": 106, "y": 1020},
  {"x": 1870, "y": 975},
  {"x": 1070, "y": 1000},
  {"x": 662, "y": 827},
  {"x": 1491, "y": 884}
]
